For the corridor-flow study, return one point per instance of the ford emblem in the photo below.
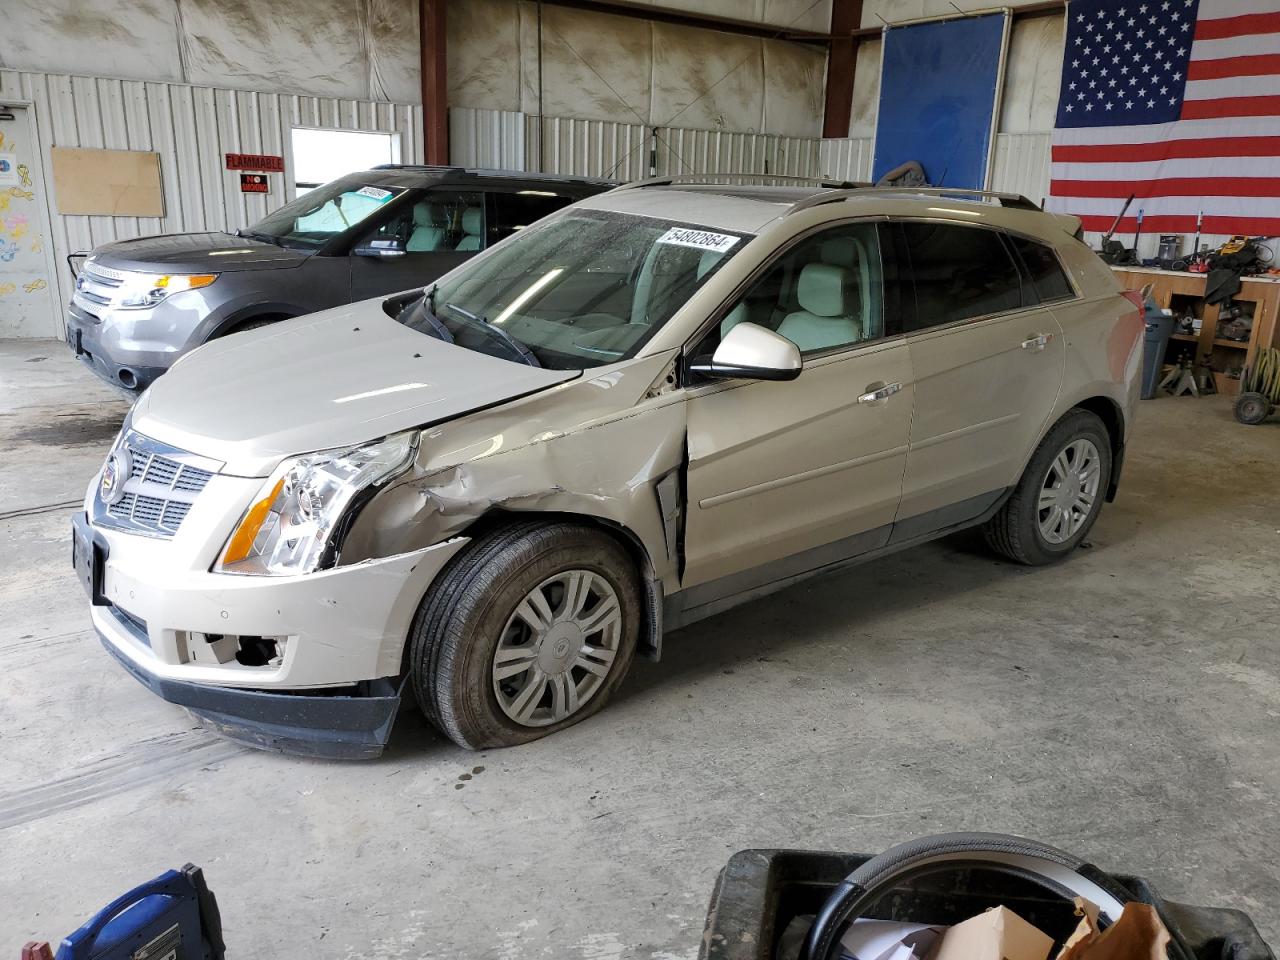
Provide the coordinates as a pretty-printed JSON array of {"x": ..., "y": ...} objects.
[{"x": 114, "y": 475}]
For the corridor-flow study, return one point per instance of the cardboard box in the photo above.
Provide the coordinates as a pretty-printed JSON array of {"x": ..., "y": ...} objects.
[{"x": 998, "y": 934}]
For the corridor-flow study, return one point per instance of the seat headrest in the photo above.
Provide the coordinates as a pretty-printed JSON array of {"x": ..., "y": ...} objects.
[
  {"x": 424, "y": 214},
  {"x": 839, "y": 252},
  {"x": 473, "y": 221},
  {"x": 821, "y": 290}
]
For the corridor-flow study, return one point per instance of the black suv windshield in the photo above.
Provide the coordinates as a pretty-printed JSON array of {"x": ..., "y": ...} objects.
[
  {"x": 580, "y": 290},
  {"x": 321, "y": 214}
]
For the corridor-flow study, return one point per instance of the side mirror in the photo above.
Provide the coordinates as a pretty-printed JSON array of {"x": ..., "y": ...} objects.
[
  {"x": 751, "y": 352},
  {"x": 379, "y": 248}
]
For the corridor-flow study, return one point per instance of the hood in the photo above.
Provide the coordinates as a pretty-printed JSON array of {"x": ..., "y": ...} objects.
[
  {"x": 197, "y": 253},
  {"x": 332, "y": 379}
]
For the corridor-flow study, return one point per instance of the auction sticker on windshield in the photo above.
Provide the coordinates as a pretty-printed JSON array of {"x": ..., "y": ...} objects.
[
  {"x": 375, "y": 193},
  {"x": 699, "y": 239}
]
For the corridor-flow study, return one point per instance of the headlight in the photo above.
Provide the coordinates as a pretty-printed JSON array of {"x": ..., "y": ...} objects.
[
  {"x": 290, "y": 526},
  {"x": 140, "y": 290}
]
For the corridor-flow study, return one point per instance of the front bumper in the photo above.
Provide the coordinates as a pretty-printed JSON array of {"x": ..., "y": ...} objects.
[
  {"x": 127, "y": 366},
  {"x": 342, "y": 631},
  {"x": 348, "y": 726}
]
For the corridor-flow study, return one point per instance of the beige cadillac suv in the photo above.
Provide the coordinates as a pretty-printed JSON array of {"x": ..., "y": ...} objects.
[{"x": 653, "y": 405}]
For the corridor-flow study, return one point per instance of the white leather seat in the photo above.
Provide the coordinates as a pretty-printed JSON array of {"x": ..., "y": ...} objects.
[
  {"x": 472, "y": 229},
  {"x": 825, "y": 318},
  {"x": 428, "y": 232}
]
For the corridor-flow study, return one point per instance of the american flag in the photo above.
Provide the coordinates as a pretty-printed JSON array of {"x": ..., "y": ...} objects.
[{"x": 1177, "y": 102}]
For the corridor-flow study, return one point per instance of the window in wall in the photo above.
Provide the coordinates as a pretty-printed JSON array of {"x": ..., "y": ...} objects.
[
  {"x": 960, "y": 272},
  {"x": 323, "y": 155}
]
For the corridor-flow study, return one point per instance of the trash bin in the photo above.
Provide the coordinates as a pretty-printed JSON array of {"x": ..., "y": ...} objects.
[
  {"x": 1159, "y": 327},
  {"x": 759, "y": 892}
]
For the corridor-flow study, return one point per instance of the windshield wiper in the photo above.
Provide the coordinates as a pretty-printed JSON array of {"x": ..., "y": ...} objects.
[
  {"x": 264, "y": 237},
  {"x": 523, "y": 352},
  {"x": 429, "y": 315}
]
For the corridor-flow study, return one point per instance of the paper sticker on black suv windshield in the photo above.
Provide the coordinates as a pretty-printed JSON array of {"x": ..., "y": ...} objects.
[
  {"x": 375, "y": 193},
  {"x": 699, "y": 239}
]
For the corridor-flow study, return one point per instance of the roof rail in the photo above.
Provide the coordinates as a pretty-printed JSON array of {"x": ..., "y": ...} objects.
[
  {"x": 493, "y": 172},
  {"x": 1014, "y": 200},
  {"x": 712, "y": 178}
]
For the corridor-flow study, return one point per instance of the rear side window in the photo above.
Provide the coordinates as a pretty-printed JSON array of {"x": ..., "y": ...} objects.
[
  {"x": 1044, "y": 269},
  {"x": 960, "y": 272},
  {"x": 515, "y": 211}
]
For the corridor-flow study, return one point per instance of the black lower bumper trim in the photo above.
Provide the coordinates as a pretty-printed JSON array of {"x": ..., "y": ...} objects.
[{"x": 314, "y": 725}]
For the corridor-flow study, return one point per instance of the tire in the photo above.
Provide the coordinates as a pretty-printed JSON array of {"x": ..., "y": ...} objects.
[
  {"x": 1017, "y": 531},
  {"x": 1252, "y": 408},
  {"x": 481, "y": 608},
  {"x": 251, "y": 324}
]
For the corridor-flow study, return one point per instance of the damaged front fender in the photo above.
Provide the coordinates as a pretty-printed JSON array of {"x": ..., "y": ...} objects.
[{"x": 610, "y": 448}]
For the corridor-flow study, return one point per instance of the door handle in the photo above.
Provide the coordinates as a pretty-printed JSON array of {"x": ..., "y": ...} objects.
[
  {"x": 881, "y": 392},
  {"x": 1037, "y": 342}
]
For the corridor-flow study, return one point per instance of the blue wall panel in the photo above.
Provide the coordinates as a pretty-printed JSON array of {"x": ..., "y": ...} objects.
[{"x": 937, "y": 98}]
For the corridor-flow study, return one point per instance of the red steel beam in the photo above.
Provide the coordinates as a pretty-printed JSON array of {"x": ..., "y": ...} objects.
[
  {"x": 435, "y": 93},
  {"x": 842, "y": 61}
]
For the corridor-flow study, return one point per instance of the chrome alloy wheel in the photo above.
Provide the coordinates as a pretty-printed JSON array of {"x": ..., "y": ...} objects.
[
  {"x": 557, "y": 648},
  {"x": 1069, "y": 492}
]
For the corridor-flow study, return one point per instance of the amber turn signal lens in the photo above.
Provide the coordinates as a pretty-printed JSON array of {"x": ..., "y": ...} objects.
[{"x": 242, "y": 540}]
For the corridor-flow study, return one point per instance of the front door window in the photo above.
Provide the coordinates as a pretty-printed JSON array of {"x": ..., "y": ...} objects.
[{"x": 825, "y": 293}]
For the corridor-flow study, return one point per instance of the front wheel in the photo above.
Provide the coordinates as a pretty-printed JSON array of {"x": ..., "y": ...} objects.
[
  {"x": 1059, "y": 495},
  {"x": 528, "y": 631}
]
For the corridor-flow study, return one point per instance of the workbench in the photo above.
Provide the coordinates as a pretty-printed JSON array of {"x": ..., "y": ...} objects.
[{"x": 1183, "y": 293}]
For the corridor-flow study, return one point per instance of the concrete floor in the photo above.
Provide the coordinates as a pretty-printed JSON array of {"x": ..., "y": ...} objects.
[{"x": 1124, "y": 705}]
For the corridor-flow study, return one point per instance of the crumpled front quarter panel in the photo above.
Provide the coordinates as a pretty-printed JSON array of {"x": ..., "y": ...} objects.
[{"x": 595, "y": 447}]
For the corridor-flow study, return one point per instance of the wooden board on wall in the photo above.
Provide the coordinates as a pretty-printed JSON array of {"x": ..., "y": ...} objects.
[{"x": 107, "y": 183}]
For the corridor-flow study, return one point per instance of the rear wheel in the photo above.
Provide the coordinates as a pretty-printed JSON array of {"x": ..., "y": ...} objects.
[
  {"x": 1059, "y": 495},
  {"x": 528, "y": 631}
]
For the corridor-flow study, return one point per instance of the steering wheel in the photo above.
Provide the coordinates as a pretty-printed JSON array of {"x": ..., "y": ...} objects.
[{"x": 1049, "y": 868}]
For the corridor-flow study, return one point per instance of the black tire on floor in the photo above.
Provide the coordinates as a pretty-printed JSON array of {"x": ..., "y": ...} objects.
[
  {"x": 460, "y": 621},
  {"x": 1252, "y": 408},
  {"x": 1014, "y": 532}
]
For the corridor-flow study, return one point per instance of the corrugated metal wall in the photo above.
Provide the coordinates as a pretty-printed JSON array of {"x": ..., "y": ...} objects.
[
  {"x": 846, "y": 159},
  {"x": 488, "y": 138},
  {"x": 621, "y": 151},
  {"x": 1022, "y": 164},
  {"x": 191, "y": 128},
  {"x": 588, "y": 148},
  {"x": 682, "y": 151}
]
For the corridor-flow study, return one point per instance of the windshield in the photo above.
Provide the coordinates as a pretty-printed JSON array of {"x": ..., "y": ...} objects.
[
  {"x": 320, "y": 214},
  {"x": 581, "y": 290}
]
